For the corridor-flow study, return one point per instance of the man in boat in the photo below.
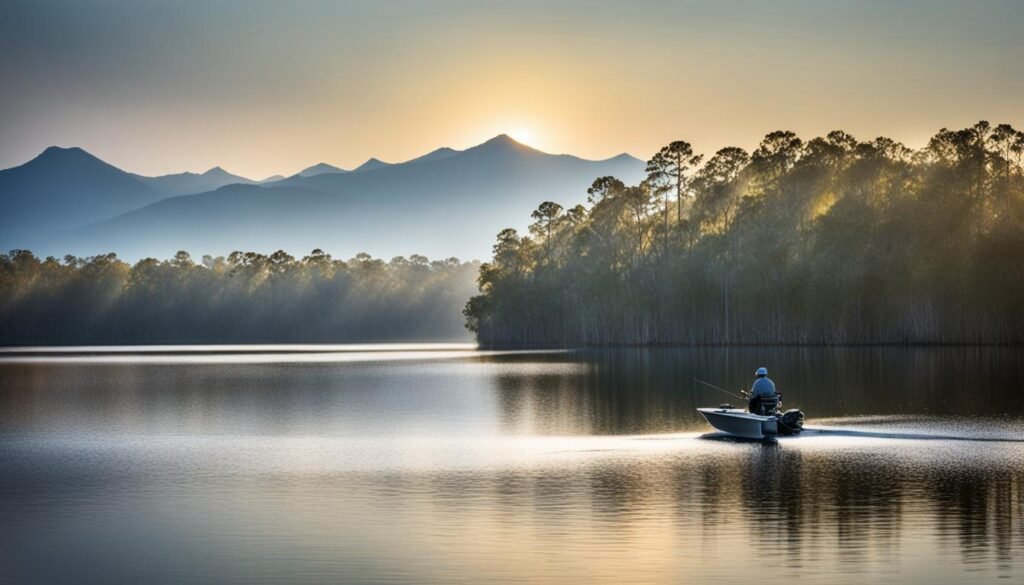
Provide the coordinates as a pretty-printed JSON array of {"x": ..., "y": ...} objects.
[{"x": 763, "y": 388}]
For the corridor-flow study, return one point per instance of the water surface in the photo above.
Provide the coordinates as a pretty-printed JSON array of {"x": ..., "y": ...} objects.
[{"x": 441, "y": 464}]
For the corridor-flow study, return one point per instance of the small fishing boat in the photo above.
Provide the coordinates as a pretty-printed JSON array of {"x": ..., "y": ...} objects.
[
  {"x": 768, "y": 422},
  {"x": 748, "y": 425}
]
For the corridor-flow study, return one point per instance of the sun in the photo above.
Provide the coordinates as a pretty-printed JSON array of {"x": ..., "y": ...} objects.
[{"x": 522, "y": 135}]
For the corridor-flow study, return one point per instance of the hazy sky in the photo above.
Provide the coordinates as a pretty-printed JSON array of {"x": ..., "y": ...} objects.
[{"x": 271, "y": 87}]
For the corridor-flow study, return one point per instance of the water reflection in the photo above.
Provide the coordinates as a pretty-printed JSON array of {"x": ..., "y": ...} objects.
[
  {"x": 582, "y": 467},
  {"x": 587, "y": 392},
  {"x": 653, "y": 390},
  {"x": 821, "y": 512}
]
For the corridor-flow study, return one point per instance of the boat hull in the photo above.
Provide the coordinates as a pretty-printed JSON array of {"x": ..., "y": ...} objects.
[{"x": 740, "y": 422}]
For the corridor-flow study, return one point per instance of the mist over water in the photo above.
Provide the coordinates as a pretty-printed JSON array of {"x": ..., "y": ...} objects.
[{"x": 441, "y": 464}]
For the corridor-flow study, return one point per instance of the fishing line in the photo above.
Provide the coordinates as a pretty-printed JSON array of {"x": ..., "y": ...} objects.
[{"x": 719, "y": 388}]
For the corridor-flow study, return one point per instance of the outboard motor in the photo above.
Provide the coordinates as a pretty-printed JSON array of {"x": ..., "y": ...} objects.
[{"x": 791, "y": 422}]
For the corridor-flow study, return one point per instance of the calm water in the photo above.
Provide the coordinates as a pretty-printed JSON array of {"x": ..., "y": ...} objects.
[{"x": 441, "y": 464}]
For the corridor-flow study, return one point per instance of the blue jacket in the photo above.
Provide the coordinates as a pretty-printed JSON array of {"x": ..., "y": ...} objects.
[{"x": 763, "y": 387}]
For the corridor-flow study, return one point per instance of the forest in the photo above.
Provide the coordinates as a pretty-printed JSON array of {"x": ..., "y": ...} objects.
[
  {"x": 831, "y": 240},
  {"x": 243, "y": 298}
]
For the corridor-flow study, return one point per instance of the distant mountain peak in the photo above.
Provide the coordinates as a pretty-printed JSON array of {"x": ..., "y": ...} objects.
[
  {"x": 504, "y": 139},
  {"x": 65, "y": 187},
  {"x": 320, "y": 169},
  {"x": 59, "y": 160},
  {"x": 372, "y": 164},
  {"x": 504, "y": 143},
  {"x": 625, "y": 156},
  {"x": 60, "y": 153},
  {"x": 60, "y": 149},
  {"x": 437, "y": 154}
]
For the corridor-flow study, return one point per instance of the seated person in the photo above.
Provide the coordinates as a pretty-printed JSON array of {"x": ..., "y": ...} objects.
[{"x": 763, "y": 388}]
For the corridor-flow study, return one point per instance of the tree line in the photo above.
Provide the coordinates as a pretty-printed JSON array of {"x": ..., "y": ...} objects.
[
  {"x": 245, "y": 297},
  {"x": 827, "y": 241}
]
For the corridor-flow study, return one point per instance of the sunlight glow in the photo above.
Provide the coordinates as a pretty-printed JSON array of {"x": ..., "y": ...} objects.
[{"x": 522, "y": 135}]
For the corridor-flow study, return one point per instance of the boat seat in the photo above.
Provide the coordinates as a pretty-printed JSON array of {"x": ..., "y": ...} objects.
[{"x": 768, "y": 405}]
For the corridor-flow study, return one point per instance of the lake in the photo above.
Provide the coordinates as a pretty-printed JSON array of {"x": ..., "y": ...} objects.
[{"x": 444, "y": 464}]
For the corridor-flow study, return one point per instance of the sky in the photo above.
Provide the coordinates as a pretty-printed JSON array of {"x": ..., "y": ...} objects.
[{"x": 261, "y": 87}]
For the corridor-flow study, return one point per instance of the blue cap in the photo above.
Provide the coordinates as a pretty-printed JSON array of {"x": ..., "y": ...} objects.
[{"x": 762, "y": 371}]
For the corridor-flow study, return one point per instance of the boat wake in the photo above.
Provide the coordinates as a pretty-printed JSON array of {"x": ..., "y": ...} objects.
[
  {"x": 809, "y": 432},
  {"x": 833, "y": 432}
]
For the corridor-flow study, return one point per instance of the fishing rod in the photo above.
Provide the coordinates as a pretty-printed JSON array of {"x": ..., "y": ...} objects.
[{"x": 719, "y": 388}]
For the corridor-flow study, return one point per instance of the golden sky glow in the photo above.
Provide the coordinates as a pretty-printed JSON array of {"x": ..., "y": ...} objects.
[{"x": 264, "y": 87}]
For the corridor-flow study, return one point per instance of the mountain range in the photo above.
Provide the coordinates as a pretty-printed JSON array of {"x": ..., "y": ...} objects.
[{"x": 445, "y": 203}]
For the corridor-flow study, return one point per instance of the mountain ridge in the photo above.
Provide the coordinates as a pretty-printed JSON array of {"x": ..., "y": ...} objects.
[
  {"x": 187, "y": 182},
  {"x": 444, "y": 203}
]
